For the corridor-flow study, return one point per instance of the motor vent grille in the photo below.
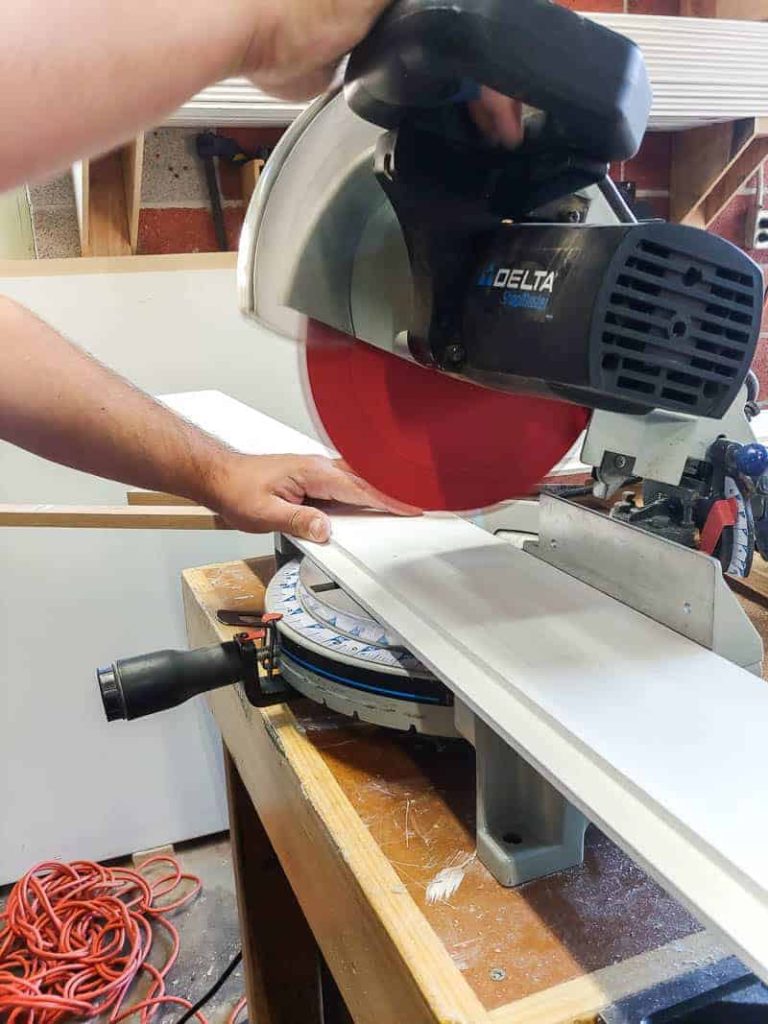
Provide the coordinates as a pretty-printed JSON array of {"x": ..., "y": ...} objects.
[{"x": 679, "y": 330}]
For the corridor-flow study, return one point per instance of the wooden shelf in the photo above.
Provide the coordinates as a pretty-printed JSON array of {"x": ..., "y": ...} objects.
[{"x": 709, "y": 166}]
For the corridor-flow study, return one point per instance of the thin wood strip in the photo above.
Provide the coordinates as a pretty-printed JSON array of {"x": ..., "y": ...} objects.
[
  {"x": 81, "y": 189},
  {"x": 389, "y": 964},
  {"x": 119, "y": 517},
  {"x": 582, "y": 999},
  {"x": 119, "y": 264},
  {"x": 144, "y": 498}
]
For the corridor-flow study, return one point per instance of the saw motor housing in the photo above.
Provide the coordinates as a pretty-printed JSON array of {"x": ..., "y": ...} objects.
[
  {"x": 438, "y": 245},
  {"x": 624, "y": 317}
]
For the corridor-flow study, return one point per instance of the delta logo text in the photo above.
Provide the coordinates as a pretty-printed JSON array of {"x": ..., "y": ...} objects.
[{"x": 520, "y": 288}]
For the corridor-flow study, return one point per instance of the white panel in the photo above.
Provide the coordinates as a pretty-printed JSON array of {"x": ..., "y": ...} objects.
[{"x": 70, "y": 784}]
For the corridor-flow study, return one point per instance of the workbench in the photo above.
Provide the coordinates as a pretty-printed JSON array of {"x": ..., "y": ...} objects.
[{"x": 344, "y": 837}]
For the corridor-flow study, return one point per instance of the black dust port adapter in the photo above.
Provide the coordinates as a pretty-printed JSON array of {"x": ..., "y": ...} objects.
[{"x": 148, "y": 683}]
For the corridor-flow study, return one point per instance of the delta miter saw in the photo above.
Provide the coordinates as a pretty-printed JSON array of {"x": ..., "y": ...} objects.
[{"x": 469, "y": 309}]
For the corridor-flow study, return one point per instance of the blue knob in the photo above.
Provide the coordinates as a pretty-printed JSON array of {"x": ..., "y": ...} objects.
[{"x": 752, "y": 459}]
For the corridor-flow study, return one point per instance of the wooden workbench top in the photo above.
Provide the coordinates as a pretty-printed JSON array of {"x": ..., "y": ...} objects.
[{"x": 373, "y": 829}]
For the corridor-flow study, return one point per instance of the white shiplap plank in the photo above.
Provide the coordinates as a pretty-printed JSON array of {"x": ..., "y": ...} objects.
[{"x": 658, "y": 740}]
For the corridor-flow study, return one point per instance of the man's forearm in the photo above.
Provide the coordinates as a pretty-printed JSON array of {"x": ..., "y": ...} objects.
[
  {"x": 79, "y": 77},
  {"x": 60, "y": 403}
]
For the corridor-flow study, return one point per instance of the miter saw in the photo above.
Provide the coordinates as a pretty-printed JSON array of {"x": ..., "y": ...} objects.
[
  {"x": 468, "y": 311},
  {"x": 503, "y": 277}
]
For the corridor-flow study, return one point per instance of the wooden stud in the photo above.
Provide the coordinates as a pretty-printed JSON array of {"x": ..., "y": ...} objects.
[
  {"x": 108, "y": 200},
  {"x": 735, "y": 178},
  {"x": 133, "y": 165},
  {"x": 106, "y": 517},
  {"x": 107, "y": 209},
  {"x": 710, "y": 164},
  {"x": 748, "y": 10},
  {"x": 249, "y": 177}
]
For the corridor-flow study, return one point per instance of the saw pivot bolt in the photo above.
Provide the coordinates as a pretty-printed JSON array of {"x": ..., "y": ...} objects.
[{"x": 454, "y": 355}]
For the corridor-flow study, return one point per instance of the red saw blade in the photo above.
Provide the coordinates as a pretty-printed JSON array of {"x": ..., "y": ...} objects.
[{"x": 427, "y": 439}]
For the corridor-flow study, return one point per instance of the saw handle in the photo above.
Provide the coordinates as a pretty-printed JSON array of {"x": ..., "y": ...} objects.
[{"x": 421, "y": 54}]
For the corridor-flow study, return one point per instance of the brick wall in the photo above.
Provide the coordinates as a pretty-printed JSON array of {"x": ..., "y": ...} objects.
[{"x": 175, "y": 215}]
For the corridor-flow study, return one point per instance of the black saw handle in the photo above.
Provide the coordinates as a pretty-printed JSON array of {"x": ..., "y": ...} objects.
[{"x": 591, "y": 82}]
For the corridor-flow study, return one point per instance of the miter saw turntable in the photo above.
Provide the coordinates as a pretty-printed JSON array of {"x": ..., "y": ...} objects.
[{"x": 469, "y": 311}]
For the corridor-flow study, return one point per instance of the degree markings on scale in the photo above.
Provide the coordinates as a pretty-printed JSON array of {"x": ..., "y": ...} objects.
[{"x": 348, "y": 638}]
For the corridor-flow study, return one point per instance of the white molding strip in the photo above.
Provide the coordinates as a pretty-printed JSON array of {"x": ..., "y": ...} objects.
[
  {"x": 234, "y": 101},
  {"x": 659, "y": 741},
  {"x": 702, "y": 69}
]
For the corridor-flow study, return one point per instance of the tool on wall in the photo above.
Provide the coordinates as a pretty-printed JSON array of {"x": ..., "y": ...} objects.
[{"x": 211, "y": 146}]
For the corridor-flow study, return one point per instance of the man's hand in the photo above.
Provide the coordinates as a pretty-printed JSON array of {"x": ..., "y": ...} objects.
[
  {"x": 267, "y": 492},
  {"x": 80, "y": 414},
  {"x": 296, "y": 44},
  {"x": 498, "y": 117}
]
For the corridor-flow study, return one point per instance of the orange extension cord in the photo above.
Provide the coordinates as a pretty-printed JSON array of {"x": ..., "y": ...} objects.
[{"x": 74, "y": 938}]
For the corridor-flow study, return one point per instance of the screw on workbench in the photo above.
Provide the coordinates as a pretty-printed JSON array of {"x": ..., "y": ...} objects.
[{"x": 497, "y": 974}]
